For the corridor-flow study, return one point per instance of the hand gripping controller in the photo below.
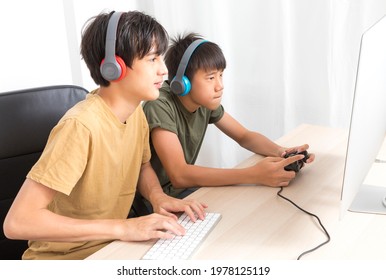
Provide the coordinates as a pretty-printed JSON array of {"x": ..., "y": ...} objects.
[{"x": 297, "y": 165}]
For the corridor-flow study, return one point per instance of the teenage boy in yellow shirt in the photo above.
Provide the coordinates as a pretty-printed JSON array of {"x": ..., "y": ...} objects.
[{"x": 77, "y": 197}]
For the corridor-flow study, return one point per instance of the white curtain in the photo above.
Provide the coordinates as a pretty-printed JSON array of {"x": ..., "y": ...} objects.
[{"x": 288, "y": 61}]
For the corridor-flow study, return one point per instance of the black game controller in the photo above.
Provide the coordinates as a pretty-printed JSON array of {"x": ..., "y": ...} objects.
[{"x": 297, "y": 165}]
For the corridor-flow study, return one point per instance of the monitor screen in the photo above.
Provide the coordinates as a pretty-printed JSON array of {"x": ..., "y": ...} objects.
[{"x": 367, "y": 126}]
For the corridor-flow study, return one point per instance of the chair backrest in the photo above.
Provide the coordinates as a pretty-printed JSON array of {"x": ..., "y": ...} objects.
[{"x": 26, "y": 119}]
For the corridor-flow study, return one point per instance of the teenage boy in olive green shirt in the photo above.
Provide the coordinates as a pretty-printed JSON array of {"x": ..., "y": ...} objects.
[{"x": 178, "y": 122}]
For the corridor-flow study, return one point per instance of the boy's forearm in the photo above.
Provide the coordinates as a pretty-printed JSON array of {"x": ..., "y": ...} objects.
[
  {"x": 199, "y": 176},
  {"x": 48, "y": 226},
  {"x": 259, "y": 144},
  {"x": 31, "y": 220},
  {"x": 148, "y": 183}
]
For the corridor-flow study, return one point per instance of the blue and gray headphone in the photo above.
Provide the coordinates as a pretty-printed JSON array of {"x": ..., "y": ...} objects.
[{"x": 180, "y": 84}]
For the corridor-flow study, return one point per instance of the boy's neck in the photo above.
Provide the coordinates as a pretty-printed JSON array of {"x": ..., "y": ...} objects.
[
  {"x": 118, "y": 101},
  {"x": 188, "y": 103}
]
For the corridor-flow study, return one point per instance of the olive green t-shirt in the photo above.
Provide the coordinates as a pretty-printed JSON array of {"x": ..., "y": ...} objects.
[
  {"x": 93, "y": 161},
  {"x": 167, "y": 112}
]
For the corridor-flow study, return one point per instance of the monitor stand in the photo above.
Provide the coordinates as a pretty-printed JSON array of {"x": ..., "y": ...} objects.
[{"x": 370, "y": 199}]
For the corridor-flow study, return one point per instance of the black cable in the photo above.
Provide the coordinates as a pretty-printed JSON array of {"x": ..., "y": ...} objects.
[{"x": 313, "y": 215}]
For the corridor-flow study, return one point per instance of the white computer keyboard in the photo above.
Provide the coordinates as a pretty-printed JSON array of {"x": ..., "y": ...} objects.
[{"x": 182, "y": 247}]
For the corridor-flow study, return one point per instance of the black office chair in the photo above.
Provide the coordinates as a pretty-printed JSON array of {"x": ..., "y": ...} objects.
[{"x": 26, "y": 119}]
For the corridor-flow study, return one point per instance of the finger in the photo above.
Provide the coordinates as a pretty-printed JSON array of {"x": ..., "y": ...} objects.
[
  {"x": 303, "y": 148},
  {"x": 299, "y": 149},
  {"x": 292, "y": 150},
  {"x": 162, "y": 235},
  {"x": 274, "y": 159},
  {"x": 197, "y": 207},
  {"x": 190, "y": 213},
  {"x": 296, "y": 150},
  {"x": 199, "y": 211},
  {"x": 284, "y": 184},
  {"x": 159, "y": 233},
  {"x": 286, "y": 180},
  {"x": 292, "y": 159},
  {"x": 201, "y": 206},
  {"x": 287, "y": 177},
  {"x": 164, "y": 212},
  {"x": 311, "y": 158},
  {"x": 172, "y": 226},
  {"x": 162, "y": 222}
]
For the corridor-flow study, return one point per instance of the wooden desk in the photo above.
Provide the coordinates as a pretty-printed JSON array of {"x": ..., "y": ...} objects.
[{"x": 257, "y": 224}]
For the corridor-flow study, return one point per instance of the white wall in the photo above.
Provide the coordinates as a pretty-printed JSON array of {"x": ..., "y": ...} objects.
[{"x": 33, "y": 46}]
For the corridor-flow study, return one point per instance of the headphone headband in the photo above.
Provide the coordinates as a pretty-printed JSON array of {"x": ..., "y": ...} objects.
[
  {"x": 111, "y": 36},
  {"x": 179, "y": 85},
  {"x": 110, "y": 68}
]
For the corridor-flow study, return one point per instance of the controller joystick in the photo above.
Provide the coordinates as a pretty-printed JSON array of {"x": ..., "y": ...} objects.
[{"x": 297, "y": 165}]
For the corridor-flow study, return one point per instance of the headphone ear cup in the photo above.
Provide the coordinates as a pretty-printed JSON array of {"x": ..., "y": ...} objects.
[
  {"x": 113, "y": 70},
  {"x": 123, "y": 67},
  {"x": 180, "y": 87},
  {"x": 187, "y": 86},
  {"x": 176, "y": 86}
]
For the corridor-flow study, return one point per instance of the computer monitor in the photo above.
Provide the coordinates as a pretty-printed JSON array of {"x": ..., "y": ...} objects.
[{"x": 367, "y": 125}]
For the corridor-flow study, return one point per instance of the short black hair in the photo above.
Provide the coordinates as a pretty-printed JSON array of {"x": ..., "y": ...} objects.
[
  {"x": 137, "y": 33},
  {"x": 207, "y": 56}
]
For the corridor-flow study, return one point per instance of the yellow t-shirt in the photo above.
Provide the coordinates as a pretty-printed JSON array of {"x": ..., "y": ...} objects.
[{"x": 93, "y": 161}]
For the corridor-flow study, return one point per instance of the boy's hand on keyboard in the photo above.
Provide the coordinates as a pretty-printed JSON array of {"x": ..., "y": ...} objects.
[
  {"x": 150, "y": 227},
  {"x": 167, "y": 205},
  {"x": 182, "y": 247}
]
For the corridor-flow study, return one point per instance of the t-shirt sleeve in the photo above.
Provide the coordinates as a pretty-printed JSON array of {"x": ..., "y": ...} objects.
[
  {"x": 64, "y": 158},
  {"x": 217, "y": 114},
  {"x": 146, "y": 155},
  {"x": 160, "y": 114}
]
